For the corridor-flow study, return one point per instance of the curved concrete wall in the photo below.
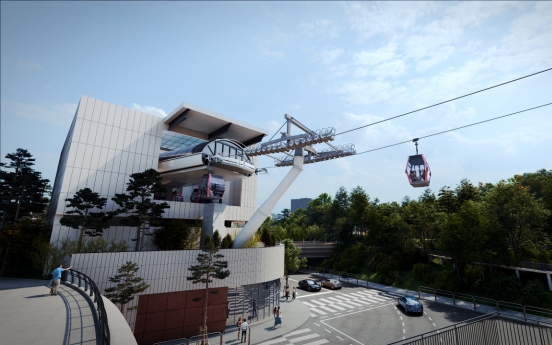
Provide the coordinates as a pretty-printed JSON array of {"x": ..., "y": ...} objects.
[{"x": 166, "y": 271}]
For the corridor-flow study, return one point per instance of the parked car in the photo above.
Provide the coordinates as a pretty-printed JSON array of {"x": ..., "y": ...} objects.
[
  {"x": 331, "y": 283},
  {"x": 309, "y": 285},
  {"x": 410, "y": 304}
]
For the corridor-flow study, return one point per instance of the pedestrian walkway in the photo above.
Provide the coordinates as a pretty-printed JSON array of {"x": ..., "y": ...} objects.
[
  {"x": 294, "y": 315},
  {"x": 300, "y": 337},
  {"x": 29, "y": 316},
  {"x": 324, "y": 303}
]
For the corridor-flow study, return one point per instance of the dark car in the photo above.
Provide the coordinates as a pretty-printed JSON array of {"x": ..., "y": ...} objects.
[
  {"x": 308, "y": 285},
  {"x": 410, "y": 304}
]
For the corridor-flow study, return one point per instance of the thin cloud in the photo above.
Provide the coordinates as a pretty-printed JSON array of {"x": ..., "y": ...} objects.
[
  {"x": 55, "y": 113},
  {"x": 272, "y": 54},
  {"x": 149, "y": 109},
  {"x": 29, "y": 64}
]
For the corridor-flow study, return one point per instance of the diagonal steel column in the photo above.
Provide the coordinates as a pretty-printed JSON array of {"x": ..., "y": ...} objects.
[{"x": 265, "y": 209}]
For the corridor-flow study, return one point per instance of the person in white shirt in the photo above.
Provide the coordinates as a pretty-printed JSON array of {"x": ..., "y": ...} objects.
[{"x": 244, "y": 327}]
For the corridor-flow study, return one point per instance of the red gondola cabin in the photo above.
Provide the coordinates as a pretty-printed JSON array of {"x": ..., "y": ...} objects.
[{"x": 417, "y": 171}]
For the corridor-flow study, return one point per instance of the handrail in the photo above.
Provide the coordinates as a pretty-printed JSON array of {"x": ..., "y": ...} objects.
[{"x": 102, "y": 329}]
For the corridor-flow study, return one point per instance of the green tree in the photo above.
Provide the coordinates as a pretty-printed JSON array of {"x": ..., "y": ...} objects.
[
  {"x": 519, "y": 220},
  {"x": 82, "y": 218},
  {"x": 101, "y": 245},
  {"x": 359, "y": 201},
  {"x": 447, "y": 200},
  {"x": 217, "y": 241},
  {"x": 142, "y": 212},
  {"x": 211, "y": 266},
  {"x": 22, "y": 191},
  {"x": 466, "y": 191},
  {"x": 128, "y": 284},
  {"x": 176, "y": 235},
  {"x": 226, "y": 242},
  {"x": 422, "y": 217},
  {"x": 291, "y": 259},
  {"x": 46, "y": 256}
]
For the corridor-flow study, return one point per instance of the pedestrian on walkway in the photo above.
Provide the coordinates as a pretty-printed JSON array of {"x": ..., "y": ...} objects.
[
  {"x": 294, "y": 294},
  {"x": 56, "y": 278},
  {"x": 275, "y": 312},
  {"x": 244, "y": 328},
  {"x": 239, "y": 323},
  {"x": 287, "y": 292},
  {"x": 254, "y": 308},
  {"x": 228, "y": 310},
  {"x": 278, "y": 320}
]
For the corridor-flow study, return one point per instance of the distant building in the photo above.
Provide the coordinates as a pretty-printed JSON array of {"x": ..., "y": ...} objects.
[{"x": 299, "y": 203}]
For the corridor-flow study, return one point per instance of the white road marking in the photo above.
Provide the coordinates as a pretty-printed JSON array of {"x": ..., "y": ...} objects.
[
  {"x": 308, "y": 304},
  {"x": 274, "y": 341},
  {"x": 315, "y": 294},
  {"x": 429, "y": 318},
  {"x": 403, "y": 324},
  {"x": 296, "y": 340},
  {"x": 400, "y": 317},
  {"x": 404, "y": 330},
  {"x": 334, "y": 305},
  {"x": 318, "y": 311},
  {"x": 434, "y": 325},
  {"x": 317, "y": 324},
  {"x": 312, "y": 315},
  {"x": 339, "y": 337},
  {"x": 304, "y": 330},
  {"x": 355, "y": 312},
  {"x": 318, "y": 342},
  {"x": 328, "y": 309},
  {"x": 344, "y": 335},
  {"x": 346, "y": 305},
  {"x": 317, "y": 302},
  {"x": 328, "y": 331},
  {"x": 354, "y": 303}
]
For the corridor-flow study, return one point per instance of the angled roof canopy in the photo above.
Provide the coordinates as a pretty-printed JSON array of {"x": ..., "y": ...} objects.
[{"x": 204, "y": 124}]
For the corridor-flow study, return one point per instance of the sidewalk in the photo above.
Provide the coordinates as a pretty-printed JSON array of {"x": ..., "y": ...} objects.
[
  {"x": 30, "y": 316},
  {"x": 294, "y": 314}
]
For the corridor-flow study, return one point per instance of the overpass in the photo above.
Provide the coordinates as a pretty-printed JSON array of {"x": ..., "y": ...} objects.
[{"x": 315, "y": 249}]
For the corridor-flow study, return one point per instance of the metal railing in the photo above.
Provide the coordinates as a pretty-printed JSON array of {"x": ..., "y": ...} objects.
[
  {"x": 102, "y": 327},
  {"x": 486, "y": 329},
  {"x": 360, "y": 279},
  {"x": 504, "y": 307},
  {"x": 535, "y": 266}
]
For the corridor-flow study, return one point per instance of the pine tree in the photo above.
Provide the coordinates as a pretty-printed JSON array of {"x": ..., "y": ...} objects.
[
  {"x": 217, "y": 241},
  {"x": 81, "y": 216},
  {"x": 127, "y": 285},
  {"x": 210, "y": 266},
  {"x": 142, "y": 212},
  {"x": 226, "y": 242}
]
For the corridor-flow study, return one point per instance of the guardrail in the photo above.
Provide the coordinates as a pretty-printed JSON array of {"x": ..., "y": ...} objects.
[
  {"x": 486, "y": 329},
  {"x": 102, "y": 328},
  {"x": 535, "y": 266},
  {"x": 362, "y": 278},
  {"x": 460, "y": 299}
]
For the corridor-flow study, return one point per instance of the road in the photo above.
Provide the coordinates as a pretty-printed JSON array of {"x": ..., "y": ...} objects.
[{"x": 357, "y": 315}]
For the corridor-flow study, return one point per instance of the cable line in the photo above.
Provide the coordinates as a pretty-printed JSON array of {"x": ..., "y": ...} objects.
[
  {"x": 457, "y": 128},
  {"x": 450, "y": 100}
]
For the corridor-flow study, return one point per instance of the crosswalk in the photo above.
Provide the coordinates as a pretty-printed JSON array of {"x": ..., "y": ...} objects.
[
  {"x": 325, "y": 305},
  {"x": 300, "y": 337}
]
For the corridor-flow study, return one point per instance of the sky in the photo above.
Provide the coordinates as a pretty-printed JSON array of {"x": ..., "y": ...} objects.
[{"x": 328, "y": 64}]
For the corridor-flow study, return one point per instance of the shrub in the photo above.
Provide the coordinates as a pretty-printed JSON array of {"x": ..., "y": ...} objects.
[{"x": 534, "y": 294}]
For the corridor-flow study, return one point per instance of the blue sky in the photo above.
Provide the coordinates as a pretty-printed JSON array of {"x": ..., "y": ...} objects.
[{"x": 325, "y": 63}]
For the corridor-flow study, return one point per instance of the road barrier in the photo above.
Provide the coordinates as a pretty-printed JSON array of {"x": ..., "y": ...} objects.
[{"x": 102, "y": 327}]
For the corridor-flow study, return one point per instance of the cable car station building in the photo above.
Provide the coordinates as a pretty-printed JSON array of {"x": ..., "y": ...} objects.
[{"x": 106, "y": 144}]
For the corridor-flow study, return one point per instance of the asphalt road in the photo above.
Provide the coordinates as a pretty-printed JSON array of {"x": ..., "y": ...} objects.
[{"x": 357, "y": 315}]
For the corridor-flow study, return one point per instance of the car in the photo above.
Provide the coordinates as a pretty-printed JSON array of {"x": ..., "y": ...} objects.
[
  {"x": 309, "y": 285},
  {"x": 410, "y": 304},
  {"x": 331, "y": 283}
]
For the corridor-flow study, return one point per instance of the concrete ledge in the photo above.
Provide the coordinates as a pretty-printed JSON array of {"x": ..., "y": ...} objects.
[{"x": 119, "y": 329}]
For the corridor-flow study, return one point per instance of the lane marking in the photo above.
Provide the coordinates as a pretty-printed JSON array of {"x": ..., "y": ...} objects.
[
  {"x": 404, "y": 330},
  {"x": 403, "y": 324},
  {"x": 344, "y": 335},
  {"x": 316, "y": 324},
  {"x": 297, "y": 332},
  {"x": 318, "y": 342},
  {"x": 434, "y": 325},
  {"x": 355, "y": 312},
  {"x": 327, "y": 309},
  {"x": 312, "y": 315},
  {"x": 429, "y": 318},
  {"x": 400, "y": 317},
  {"x": 317, "y": 302},
  {"x": 318, "y": 311},
  {"x": 339, "y": 337},
  {"x": 296, "y": 340},
  {"x": 311, "y": 295},
  {"x": 327, "y": 330}
]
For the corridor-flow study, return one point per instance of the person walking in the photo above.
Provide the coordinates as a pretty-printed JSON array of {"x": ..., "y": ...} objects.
[
  {"x": 239, "y": 323},
  {"x": 56, "y": 278},
  {"x": 278, "y": 320},
  {"x": 244, "y": 328},
  {"x": 275, "y": 312},
  {"x": 294, "y": 294},
  {"x": 287, "y": 292},
  {"x": 254, "y": 309}
]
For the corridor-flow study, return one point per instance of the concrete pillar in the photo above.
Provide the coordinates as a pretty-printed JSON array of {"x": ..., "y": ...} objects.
[
  {"x": 549, "y": 281},
  {"x": 213, "y": 219},
  {"x": 517, "y": 273},
  {"x": 441, "y": 261}
]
